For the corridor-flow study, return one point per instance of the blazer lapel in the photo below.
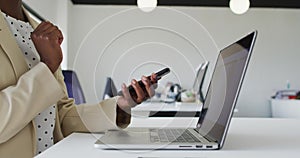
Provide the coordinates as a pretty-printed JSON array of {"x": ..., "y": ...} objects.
[
  {"x": 32, "y": 22},
  {"x": 9, "y": 45}
]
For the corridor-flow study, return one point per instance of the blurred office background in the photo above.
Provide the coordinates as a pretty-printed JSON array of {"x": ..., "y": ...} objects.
[{"x": 123, "y": 42}]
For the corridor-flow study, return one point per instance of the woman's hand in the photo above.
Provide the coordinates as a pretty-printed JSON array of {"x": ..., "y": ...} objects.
[
  {"x": 47, "y": 39},
  {"x": 126, "y": 101}
]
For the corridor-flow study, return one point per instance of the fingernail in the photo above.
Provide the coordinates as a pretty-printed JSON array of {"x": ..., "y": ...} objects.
[{"x": 134, "y": 81}]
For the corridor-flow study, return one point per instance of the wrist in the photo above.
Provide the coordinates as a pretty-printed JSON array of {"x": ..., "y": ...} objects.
[
  {"x": 52, "y": 67},
  {"x": 123, "y": 116}
]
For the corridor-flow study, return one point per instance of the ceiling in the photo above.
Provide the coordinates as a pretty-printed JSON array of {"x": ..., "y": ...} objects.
[{"x": 208, "y": 3}]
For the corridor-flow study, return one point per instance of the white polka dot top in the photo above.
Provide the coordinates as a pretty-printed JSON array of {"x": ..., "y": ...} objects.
[{"x": 45, "y": 120}]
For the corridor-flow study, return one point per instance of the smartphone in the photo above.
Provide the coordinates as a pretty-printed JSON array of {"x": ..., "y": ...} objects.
[{"x": 132, "y": 92}]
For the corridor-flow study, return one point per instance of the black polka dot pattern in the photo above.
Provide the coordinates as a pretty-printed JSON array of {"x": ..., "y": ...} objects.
[
  {"x": 45, "y": 120},
  {"x": 21, "y": 32}
]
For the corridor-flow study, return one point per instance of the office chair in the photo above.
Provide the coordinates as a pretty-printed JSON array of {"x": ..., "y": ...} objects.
[
  {"x": 73, "y": 86},
  {"x": 110, "y": 89}
]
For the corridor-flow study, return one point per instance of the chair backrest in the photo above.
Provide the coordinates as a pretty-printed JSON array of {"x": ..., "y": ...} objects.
[
  {"x": 110, "y": 89},
  {"x": 73, "y": 86}
]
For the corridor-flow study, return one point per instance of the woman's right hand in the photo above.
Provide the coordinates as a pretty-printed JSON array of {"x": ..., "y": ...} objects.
[{"x": 47, "y": 39}]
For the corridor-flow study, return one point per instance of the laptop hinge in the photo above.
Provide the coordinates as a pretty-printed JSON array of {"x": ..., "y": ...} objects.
[{"x": 206, "y": 137}]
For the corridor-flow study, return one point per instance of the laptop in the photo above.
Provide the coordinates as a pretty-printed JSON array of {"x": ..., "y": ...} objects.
[
  {"x": 215, "y": 117},
  {"x": 199, "y": 80}
]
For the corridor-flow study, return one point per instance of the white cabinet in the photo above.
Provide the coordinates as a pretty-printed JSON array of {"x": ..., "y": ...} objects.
[{"x": 285, "y": 108}]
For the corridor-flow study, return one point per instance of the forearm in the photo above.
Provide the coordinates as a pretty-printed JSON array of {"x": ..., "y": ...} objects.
[
  {"x": 89, "y": 118},
  {"x": 19, "y": 104}
]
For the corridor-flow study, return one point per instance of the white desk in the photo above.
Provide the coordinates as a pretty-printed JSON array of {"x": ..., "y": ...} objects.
[{"x": 247, "y": 138}]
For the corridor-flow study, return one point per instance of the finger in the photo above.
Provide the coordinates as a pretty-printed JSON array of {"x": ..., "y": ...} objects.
[
  {"x": 53, "y": 28},
  {"x": 148, "y": 86},
  {"x": 39, "y": 32},
  {"x": 55, "y": 35},
  {"x": 154, "y": 80},
  {"x": 41, "y": 25},
  {"x": 139, "y": 91},
  {"x": 44, "y": 26},
  {"x": 125, "y": 91},
  {"x": 50, "y": 29},
  {"x": 60, "y": 37}
]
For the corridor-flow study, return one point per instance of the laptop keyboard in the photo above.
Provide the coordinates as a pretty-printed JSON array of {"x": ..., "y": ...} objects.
[{"x": 172, "y": 135}]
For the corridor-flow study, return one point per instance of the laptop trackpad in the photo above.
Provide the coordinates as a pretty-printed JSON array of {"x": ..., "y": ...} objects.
[{"x": 126, "y": 136}]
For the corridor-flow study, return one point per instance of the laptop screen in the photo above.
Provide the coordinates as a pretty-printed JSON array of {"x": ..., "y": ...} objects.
[
  {"x": 199, "y": 79},
  {"x": 224, "y": 88}
]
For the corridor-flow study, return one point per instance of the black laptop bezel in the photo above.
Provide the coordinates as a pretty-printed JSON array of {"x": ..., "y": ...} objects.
[{"x": 252, "y": 36}]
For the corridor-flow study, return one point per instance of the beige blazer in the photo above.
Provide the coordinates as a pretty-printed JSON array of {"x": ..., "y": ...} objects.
[{"x": 25, "y": 93}]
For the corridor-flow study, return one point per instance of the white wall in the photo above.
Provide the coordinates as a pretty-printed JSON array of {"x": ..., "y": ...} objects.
[{"x": 122, "y": 42}]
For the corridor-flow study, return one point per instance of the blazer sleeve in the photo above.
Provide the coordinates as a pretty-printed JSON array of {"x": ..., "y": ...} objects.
[
  {"x": 84, "y": 117},
  {"x": 34, "y": 91}
]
